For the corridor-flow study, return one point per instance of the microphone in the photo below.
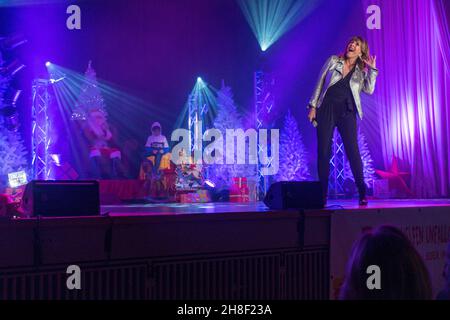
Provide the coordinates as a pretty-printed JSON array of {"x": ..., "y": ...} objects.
[{"x": 314, "y": 121}]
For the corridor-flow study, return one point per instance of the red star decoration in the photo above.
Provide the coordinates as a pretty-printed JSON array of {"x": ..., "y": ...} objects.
[{"x": 396, "y": 178}]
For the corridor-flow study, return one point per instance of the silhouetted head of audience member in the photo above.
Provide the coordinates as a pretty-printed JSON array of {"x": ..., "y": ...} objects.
[
  {"x": 444, "y": 294},
  {"x": 446, "y": 272},
  {"x": 403, "y": 274}
]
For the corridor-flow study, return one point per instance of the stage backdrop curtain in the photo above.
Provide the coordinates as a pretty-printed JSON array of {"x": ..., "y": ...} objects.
[
  {"x": 442, "y": 12},
  {"x": 412, "y": 93}
]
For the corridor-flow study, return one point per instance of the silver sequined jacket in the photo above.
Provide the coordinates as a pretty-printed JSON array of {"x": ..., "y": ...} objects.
[{"x": 331, "y": 73}]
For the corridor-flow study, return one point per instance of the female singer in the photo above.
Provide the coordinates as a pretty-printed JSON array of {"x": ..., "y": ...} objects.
[{"x": 336, "y": 103}]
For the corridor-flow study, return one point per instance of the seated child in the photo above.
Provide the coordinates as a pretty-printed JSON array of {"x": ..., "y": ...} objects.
[{"x": 156, "y": 145}]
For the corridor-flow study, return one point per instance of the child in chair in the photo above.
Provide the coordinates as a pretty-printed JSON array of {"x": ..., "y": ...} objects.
[{"x": 156, "y": 146}]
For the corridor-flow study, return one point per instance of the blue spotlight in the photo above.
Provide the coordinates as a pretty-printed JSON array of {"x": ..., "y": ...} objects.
[
  {"x": 199, "y": 79},
  {"x": 270, "y": 19},
  {"x": 47, "y": 64}
]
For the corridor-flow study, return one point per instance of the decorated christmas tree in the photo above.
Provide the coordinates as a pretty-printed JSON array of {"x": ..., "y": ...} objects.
[
  {"x": 90, "y": 97},
  {"x": 13, "y": 155},
  {"x": 293, "y": 156},
  {"x": 368, "y": 169},
  {"x": 228, "y": 117}
]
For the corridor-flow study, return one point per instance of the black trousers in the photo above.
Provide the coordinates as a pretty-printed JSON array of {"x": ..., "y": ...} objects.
[{"x": 328, "y": 117}]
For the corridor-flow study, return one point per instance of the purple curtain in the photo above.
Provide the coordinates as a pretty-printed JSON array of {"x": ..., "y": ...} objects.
[
  {"x": 442, "y": 21},
  {"x": 413, "y": 91}
]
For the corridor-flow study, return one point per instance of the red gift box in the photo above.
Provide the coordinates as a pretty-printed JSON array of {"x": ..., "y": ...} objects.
[{"x": 239, "y": 191}]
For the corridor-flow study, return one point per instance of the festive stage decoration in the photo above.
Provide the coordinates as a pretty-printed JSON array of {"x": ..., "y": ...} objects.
[
  {"x": 228, "y": 117},
  {"x": 17, "y": 179},
  {"x": 293, "y": 155},
  {"x": 239, "y": 191},
  {"x": 15, "y": 194},
  {"x": 396, "y": 179},
  {"x": 13, "y": 155},
  {"x": 8, "y": 207},
  {"x": 90, "y": 97},
  {"x": 189, "y": 177},
  {"x": 198, "y": 196}
]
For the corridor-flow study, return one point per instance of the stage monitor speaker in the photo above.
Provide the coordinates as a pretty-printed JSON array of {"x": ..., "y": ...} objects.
[
  {"x": 62, "y": 198},
  {"x": 294, "y": 195}
]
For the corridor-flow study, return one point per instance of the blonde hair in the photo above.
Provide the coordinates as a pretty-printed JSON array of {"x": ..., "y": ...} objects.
[{"x": 365, "y": 52}]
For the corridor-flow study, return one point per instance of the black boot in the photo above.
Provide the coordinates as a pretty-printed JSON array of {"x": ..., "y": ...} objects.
[
  {"x": 362, "y": 196},
  {"x": 363, "y": 201}
]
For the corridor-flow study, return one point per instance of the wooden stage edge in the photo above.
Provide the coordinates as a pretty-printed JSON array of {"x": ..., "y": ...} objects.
[
  {"x": 158, "y": 230},
  {"x": 181, "y": 250}
]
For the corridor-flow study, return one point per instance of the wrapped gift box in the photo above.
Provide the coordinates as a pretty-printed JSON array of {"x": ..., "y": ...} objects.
[
  {"x": 239, "y": 191},
  {"x": 199, "y": 196}
]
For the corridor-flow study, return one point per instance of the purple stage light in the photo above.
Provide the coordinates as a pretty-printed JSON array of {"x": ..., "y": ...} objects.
[
  {"x": 12, "y": 68},
  {"x": 11, "y": 96},
  {"x": 12, "y": 41}
]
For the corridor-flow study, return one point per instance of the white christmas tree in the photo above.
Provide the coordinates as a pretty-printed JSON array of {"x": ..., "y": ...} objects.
[
  {"x": 90, "y": 97},
  {"x": 368, "y": 169},
  {"x": 293, "y": 156},
  {"x": 13, "y": 154},
  {"x": 228, "y": 117}
]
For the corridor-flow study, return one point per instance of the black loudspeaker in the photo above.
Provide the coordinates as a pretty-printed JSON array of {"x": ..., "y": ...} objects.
[
  {"x": 295, "y": 195},
  {"x": 61, "y": 198}
]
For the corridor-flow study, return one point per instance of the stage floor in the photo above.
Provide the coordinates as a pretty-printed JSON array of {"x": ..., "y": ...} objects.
[
  {"x": 188, "y": 247},
  {"x": 255, "y": 207}
]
